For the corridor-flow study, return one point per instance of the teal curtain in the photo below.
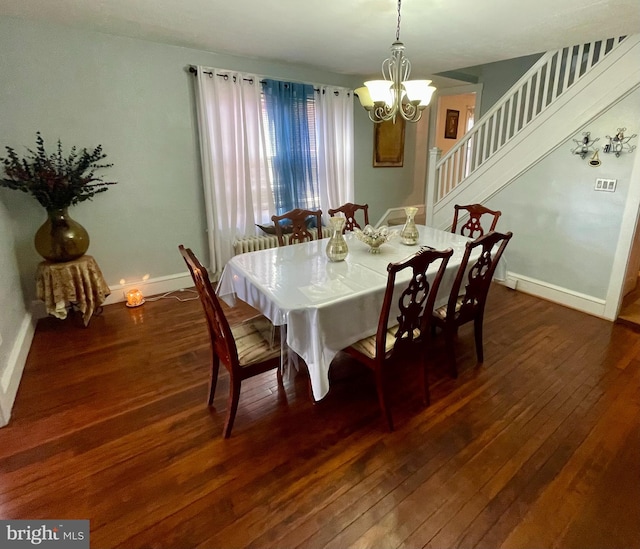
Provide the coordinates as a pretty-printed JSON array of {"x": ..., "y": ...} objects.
[{"x": 291, "y": 123}]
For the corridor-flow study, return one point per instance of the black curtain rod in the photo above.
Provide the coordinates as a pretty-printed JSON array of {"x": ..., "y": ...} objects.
[{"x": 193, "y": 70}]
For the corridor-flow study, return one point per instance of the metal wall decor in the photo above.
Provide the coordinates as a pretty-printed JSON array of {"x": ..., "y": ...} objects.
[
  {"x": 584, "y": 146},
  {"x": 619, "y": 143},
  {"x": 595, "y": 160}
]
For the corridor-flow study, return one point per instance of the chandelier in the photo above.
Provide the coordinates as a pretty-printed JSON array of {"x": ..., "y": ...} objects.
[{"x": 396, "y": 94}]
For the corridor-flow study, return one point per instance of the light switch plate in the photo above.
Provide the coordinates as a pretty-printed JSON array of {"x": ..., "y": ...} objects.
[{"x": 607, "y": 185}]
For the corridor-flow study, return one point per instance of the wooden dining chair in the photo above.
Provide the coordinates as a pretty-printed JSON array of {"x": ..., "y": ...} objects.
[
  {"x": 299, "y": 229},
  {"x": 349, "y": 211},
  {"x": 410, "y": 334},
  {"x": 246, "y": 350},
  {"x": 469, "y": 292},
  {"x": 473, "y": 227}
]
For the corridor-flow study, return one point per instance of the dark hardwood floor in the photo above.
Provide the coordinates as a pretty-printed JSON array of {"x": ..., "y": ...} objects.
[{"x": 539, "y": 447}]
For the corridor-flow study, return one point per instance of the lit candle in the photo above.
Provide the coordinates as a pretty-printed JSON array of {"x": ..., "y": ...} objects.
[{"x": 134, "y": 298}]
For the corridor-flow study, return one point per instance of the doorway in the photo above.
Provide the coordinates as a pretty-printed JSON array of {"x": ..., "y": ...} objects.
[
  {"x": 464, "y": 104},
  {"x": 456, "y": 115},
  {"x": 625, "y": 268},
  {"x": 630, "y": 308}
]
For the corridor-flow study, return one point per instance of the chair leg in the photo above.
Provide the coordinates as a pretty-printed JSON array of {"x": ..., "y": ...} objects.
[
  {"x": 449, "y": 336},
  {"x": 232, "y": 406},
  {"x": 213, "y": 382},
  {"x": 425, "y": 382},
  {"x": 477, "y": 329},
  {"x": 382, "y": 396}
]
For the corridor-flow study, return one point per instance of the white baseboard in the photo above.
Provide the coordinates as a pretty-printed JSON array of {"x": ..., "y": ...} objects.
[
  {"x": 574, "y": 300},
  {"x": 13, "y": 372},
  {"x": 152, "y": 286}
]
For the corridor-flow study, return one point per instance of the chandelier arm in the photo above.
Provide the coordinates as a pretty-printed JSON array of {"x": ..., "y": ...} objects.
[
  {"x": 411, "y": 112},
  {"x": 382, "y": 112},
  {"x": 406, "y": 68}
]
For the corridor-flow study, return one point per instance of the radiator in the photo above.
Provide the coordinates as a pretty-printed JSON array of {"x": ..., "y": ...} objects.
[
  {"x": 253, "y": 243},
  {"x": 261, "y": 242}
]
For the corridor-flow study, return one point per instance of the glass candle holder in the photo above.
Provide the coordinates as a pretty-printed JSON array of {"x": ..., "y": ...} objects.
[{"x": 134, "y": 298}]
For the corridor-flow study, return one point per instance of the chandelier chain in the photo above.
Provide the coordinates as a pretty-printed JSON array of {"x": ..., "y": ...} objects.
[{"x": 398, "y": 26}]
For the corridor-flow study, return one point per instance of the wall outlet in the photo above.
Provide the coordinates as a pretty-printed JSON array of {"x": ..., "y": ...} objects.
[{"x": 607, "y": 185}]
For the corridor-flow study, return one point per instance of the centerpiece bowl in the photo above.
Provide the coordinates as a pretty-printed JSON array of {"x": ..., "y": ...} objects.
[{"x": 374, "y": 238}]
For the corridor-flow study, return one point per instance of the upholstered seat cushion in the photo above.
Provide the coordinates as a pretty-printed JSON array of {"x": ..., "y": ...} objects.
[
  {"x": 367, "y": 346},
  {"x": 441, "y": 312},
  {"x": 256, "y": 341}
]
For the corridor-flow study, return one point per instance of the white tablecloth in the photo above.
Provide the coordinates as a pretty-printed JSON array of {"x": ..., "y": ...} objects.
[{"x": 327, "y": 306}]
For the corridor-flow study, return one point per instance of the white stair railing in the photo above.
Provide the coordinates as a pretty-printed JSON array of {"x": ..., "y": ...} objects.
[{"x": 553, "y": 74}]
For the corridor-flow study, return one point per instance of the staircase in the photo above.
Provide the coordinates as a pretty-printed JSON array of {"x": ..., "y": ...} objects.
[{"x": 560, "y": 94}]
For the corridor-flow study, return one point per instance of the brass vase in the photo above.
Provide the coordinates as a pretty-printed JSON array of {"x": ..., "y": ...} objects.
[{"x": 60, "y": 238}]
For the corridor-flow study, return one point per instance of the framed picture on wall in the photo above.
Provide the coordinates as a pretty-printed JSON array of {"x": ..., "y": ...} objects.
[
  {"x": 451, "y": 124},
  {"x": 388, "y": 143}
]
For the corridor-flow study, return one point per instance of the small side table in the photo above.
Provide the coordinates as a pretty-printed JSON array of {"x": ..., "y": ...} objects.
[{"x": 79, "y": 282}]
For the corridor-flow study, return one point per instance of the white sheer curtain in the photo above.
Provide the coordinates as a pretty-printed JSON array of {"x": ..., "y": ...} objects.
[
  {"x": 234, "y": 147},
  {"x": 235, "y": 172},
  {"x": 334, "y": 139}
]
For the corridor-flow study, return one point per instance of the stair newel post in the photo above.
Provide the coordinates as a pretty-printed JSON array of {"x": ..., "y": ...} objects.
[{"x": 431, "y": 195}]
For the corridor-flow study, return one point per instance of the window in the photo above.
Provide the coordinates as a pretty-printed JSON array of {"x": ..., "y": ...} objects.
[
  {"x": 289, "y": 119},
  {"x": 307, "y": 202},
  {"x": 268, "y": 147}
]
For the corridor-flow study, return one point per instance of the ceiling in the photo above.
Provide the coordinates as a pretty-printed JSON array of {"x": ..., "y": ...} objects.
[{"x": 349, "y": 36}]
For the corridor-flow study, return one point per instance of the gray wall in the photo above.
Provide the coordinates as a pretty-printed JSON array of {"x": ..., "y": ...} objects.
[
  {"x": 496, "y": 78},
  {"x": 136, "y": 99},
  {"x": 387, "y": 187},
  {"x": 12, "y": 307},
  {"x": 565, "y": 233}
]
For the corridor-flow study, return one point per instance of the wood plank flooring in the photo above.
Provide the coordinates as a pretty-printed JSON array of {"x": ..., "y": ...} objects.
[{"x": 538, "y": 447}]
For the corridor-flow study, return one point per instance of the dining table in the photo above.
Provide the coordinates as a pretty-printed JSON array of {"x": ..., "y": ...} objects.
[{"x": 326, "y": 306}]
